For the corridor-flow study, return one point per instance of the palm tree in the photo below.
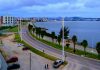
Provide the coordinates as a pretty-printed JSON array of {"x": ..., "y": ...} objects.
[
  {"x": 59, "y": 39},
  {"x": 74, "y": 39},
  {"x": 38, "y": 31},
  {"x": 30, "y": 27},
  {"x": 98, "y": 49},
  {"x": 85, "y": 44},
  {"x": 53, "y": 36},
  {"x": 43, "y": 33},
  {"x": 34, "y": 30},
  {"x": 66, "y": 32}
]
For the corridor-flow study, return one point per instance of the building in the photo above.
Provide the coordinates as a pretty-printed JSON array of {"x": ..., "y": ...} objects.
[
  {"x": 3, "y": 64},
  {"x": 8, "y": 21},
  {"x": 1, "y": 21}
]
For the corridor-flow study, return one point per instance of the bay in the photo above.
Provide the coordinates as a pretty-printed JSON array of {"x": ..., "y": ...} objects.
[{"x": 84, "y": 30}]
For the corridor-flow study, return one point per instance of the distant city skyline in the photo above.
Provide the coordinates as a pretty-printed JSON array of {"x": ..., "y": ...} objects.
[{"x": 50, "y": 8}]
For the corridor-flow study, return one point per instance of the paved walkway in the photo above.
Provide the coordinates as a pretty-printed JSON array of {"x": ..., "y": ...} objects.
[{"x": 37, "y": 62}]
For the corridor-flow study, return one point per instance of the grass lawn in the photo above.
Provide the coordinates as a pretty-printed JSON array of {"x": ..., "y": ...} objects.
[
  {"x": 78, "y": 52},
  {"x": 14, "y": 29},
  {"x": 17, "y": 38},
  {"x": 9, "y": 28}
]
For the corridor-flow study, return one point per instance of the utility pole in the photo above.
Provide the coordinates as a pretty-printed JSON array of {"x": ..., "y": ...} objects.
[
  {"x": 63, "y": 54},
  {"x": 18, "y": 26},
  {"x": 30, "y": 60},
  {"x": 92, "y": 45},
  {"x": 20, "y": 30}
]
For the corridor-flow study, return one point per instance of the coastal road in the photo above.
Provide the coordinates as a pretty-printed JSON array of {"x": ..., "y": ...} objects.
[{"x": 74, "y": 62}]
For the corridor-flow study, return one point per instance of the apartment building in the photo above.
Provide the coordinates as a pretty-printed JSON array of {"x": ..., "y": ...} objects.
[
  {"x": 8, "y": 21},
  {"x": 1, "y": 21}
]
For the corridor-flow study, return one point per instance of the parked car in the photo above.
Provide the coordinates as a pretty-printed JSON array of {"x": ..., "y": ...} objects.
[
  {"x": 25, "y": 48},
  {"x": 13, "y": 59},
  {"x": 13, "y": 66},
  {"x": 20, "y": 44},
  {"x": 57, "y": 63}
]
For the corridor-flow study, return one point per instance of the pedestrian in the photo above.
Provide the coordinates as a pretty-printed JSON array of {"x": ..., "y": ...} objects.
[
  {"x": 65, "y": 55},
  {"x": 43, "y": 51},
  {"x": 47, "y": 66}
]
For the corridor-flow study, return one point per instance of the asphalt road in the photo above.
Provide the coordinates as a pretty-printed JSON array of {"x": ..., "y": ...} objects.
[{"x": 75, "y": 62}]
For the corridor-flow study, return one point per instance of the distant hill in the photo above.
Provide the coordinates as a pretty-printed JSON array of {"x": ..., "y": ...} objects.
[{"x": 75, "y": 19}]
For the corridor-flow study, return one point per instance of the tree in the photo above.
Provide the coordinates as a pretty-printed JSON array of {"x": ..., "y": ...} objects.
[
  {"x": 66, "y": 32},
  {"x": 85, "y": 44},
  {"x": 98, "y": 49},
  {"x": 38, "y": 31},
  {"x": 53, "y": 36},
  {"x": 30, "y": 27},
  {"x": 33, "y": 30},
  {"x": 43, "y": 33},
  {"x": 59, "y": 39},
  {"x": 74, "y": 39}
]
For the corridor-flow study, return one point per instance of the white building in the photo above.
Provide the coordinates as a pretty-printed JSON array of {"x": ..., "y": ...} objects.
[{"x": 8, "y": 21}]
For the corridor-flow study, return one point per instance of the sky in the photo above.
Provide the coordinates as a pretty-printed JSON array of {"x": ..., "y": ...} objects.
[{"x": 50, "y": 8}]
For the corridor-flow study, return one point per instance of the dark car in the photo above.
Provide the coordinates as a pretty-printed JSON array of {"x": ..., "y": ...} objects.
[
  {"x": 13, "y": 66},
  {"x": 25, "y": 48},
  {"x": 13, "y": 59},
  {"x": 57, "y": 63}
]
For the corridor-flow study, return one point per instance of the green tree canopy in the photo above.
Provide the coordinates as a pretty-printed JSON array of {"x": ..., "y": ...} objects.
[
  {"x": 74, "y": 39},
  {"x": 53, "y": 36},
  {"x": 98, "y": 47},
  {"x": 66, "y": 32},
  {"x": 59, "y": 39},
  {"x": 30, "y": 27},
  {"x": 85, "y": 44}
]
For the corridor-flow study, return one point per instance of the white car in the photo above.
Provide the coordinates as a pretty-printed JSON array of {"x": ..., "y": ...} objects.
[
  {"x": 57, "y": 63},
  {"x": 20, "y": 44}
]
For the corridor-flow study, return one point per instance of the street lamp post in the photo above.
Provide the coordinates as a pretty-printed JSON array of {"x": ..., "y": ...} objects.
[
  {"x": 18, "y": 23},
  {"x": 20, "y": 30},
  {"x": 63, "y": 54},
  {"x": 92, "y": 46},
  {"x": 30, "y": 60}
]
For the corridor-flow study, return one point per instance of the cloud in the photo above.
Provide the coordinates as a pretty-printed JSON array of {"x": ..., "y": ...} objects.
[
  {"x": 12, "y": 4},
  {"x": 93, "y": 4},
  {"x": 49, "y": 7}
]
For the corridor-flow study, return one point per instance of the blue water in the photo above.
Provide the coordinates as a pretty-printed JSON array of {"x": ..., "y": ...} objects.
[{"x": 88, "y": 30}]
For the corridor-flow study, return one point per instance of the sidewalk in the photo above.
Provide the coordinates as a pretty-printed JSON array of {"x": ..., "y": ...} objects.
[{"x": 37, "y": 62}]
